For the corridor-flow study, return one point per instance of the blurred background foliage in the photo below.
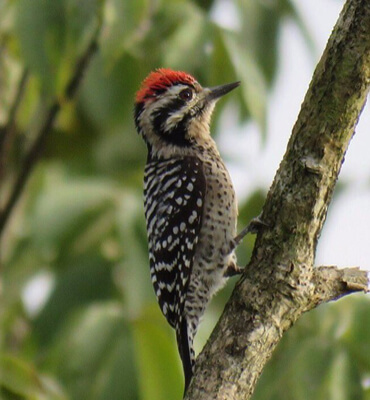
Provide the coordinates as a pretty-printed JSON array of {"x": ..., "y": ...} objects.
[{"x": 78, "y": 315}]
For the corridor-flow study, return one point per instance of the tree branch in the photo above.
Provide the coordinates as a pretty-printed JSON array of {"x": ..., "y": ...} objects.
[
  {"x": 280, "y": 282},
  {"x": 8, "y": 128},
  {"x": 35, "y": 152},
  {"x": 331, "y": 283}
]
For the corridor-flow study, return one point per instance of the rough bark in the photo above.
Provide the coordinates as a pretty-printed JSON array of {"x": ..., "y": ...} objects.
[{"x": 280, "y": 282}]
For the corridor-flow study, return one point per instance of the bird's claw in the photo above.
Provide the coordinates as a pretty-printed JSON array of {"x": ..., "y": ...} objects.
[
  {"x": 254, "y": 226},
  {"x": 232, "y": 270}
]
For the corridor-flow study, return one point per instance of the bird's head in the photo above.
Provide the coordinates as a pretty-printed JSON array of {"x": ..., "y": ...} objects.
[{"x": 172, "y": 108}]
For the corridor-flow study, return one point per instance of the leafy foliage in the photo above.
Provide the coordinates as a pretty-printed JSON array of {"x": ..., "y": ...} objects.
[
  {"x": 325, "y": 356},
  {"x": 78, "y": 314}
]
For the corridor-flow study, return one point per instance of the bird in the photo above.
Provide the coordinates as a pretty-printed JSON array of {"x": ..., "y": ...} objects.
[{"x": 189, "y": 200}]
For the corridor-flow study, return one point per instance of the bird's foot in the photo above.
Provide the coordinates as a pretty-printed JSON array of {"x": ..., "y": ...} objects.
[
  {"x": 232, "y": 270},
  {"x": 253, "y": 227}
]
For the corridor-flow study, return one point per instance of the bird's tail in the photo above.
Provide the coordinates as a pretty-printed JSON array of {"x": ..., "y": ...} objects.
[{"x": 185, "y": 338}]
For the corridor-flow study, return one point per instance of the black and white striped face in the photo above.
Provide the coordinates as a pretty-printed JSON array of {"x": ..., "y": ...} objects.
[
  {"x": 169, "y": 116},
  {"x": 173, "y": 111}
]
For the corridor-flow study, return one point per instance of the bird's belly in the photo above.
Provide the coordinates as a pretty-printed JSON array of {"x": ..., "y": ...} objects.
[
  {"x": 212, "y": 255},
  {"x": 219, "y": 217}
]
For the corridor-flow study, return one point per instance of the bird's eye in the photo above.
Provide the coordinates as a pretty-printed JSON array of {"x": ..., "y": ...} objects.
[{"x": 186, "y": 94}]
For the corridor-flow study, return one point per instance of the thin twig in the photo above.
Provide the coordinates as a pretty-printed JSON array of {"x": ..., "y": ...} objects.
[
  {"x": 8, "y": 129},
  {"x": 13, "y": 110},
  {"x": 36, "y": 149}
]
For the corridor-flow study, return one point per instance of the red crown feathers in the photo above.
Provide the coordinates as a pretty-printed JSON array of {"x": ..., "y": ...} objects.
[{"x": 161, "y": 79}]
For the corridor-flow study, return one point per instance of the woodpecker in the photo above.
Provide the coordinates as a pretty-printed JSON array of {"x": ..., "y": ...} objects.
[{"x": 189, "y": 200}]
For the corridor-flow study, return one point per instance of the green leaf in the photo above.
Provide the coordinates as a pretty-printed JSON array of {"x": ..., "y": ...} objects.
[
  {"x": 343, "y": 379},
  {"x": 80, "y": 19},
  {"x": 248, "y": 210},
  {"x": 94, "y": 355},
  {"x": 184, "y": 49},
  {"x": 252, "y": 207},
  {"x": 253, "y": 87},
  {"x": 295, "y": 375},
  {"x": 261, "y": 24},
  {"x": 64, "y": 211},
  {"x": 136, "y": 285},
  {"x": 42, "y": 50},
  {"x": 51, "y": 34},
  {"x": 318, "y": 358},
  {"x": 357, "y": 310},
  {"x": 19, "y": 379},
  {"x": 24, "y": 262},
  {"x": 204, "y": 4},
  {"x": 260, "y": 32},
  {"x": 290, "y": 9},
  {"x": 108, "y": 93},
  {"x": 82, "y": 280},
  {"x": 220, "y": 69},
  {"x": 126, "y": 25},
  {"x": 157, "y": 358}
]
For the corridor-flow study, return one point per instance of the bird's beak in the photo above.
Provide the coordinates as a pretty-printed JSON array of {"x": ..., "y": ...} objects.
[{"x": 216, "y": 92}]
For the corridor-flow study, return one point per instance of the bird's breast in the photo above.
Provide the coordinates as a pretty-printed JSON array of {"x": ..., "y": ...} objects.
[{"x": 219, "y": 212}]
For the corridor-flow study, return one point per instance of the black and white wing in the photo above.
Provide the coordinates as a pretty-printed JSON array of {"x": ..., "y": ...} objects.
[{"x": 174, "y": 193}]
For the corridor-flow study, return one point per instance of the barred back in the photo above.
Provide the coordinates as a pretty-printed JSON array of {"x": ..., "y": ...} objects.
[{"x": 173, "y": 197}]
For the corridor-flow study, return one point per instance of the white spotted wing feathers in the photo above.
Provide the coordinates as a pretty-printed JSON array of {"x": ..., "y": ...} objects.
[{"x": 173, "y": 196}]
